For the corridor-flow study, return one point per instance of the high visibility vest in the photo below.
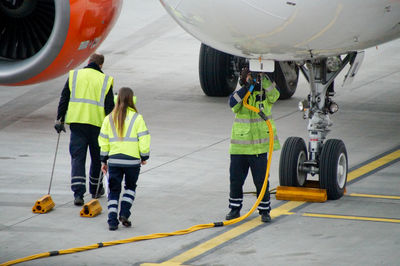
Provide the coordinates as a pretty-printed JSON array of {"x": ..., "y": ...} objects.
[
  {"x": 135, "y": 141},
  {"x": 250, "y": 133},
  {"x": 88, "y": 88}
]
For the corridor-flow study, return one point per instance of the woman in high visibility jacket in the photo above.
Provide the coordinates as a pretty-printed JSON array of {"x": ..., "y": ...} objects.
[{"x": 125, "y": 145}]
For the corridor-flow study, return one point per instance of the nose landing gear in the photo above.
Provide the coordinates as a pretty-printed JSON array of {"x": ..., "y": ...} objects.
[{"x": 327, "y": 159}]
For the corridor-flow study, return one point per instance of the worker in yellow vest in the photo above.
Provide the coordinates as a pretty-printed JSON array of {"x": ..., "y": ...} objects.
[
  {"x": 250, "y": 140},
  {"x": 86, "y": 99},
  {"x": 125, "y": 145}
]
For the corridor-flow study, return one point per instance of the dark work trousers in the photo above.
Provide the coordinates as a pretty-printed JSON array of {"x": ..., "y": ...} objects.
[
  {"x": 116, "y": 174},
  {"x": 239, "y": 169},
  {"x": 82, "y": 137}
]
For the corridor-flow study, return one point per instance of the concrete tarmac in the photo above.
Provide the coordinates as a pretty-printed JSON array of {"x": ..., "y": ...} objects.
[{"x": 186, "y": 180}]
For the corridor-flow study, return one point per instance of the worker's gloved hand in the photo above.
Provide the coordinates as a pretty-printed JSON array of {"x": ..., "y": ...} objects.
[
  {"x": 59, "y": 126},
  {"x": 250, "y": 81}
]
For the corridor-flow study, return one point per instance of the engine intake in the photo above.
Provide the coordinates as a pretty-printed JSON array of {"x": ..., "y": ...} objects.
[
  {"x": 25, "y": 27},
  {"x": 44, "y": 39}
]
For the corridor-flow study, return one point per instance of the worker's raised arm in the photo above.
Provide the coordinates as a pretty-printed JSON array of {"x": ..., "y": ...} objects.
[{"x": 272, "y": 92}]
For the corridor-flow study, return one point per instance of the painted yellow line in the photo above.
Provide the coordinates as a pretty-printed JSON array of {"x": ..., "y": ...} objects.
[
  {"x": 166, "y": 263},
  {"x": 346, "y": 217},
  {"x": 373, "y": 196},
  {"x": 234, "y": 232},
  {"x": 373, "y": 165},
  {"x": 285, "y": 209}
]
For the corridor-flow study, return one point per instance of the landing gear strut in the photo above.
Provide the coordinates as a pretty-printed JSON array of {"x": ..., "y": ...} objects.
[{"x": 327, "y": 159}]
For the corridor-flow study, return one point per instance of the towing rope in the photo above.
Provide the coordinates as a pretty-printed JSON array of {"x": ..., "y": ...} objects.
[{"x": 179, "y": 232}]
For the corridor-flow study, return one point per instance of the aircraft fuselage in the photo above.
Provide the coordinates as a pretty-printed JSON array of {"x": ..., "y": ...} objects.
[{"x": 288, "y": 30}]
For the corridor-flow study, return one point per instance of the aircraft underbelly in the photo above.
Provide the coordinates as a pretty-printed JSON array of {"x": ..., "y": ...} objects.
[{"x": 286, "y": 30}]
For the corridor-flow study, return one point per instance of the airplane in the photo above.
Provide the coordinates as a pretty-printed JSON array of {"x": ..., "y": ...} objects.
[
  {"x": 319, "y": 38},
  {"x": 43, "y": 39}
]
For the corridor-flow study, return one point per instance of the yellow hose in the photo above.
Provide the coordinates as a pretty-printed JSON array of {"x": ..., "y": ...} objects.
[{"x": 179, "y": 232}]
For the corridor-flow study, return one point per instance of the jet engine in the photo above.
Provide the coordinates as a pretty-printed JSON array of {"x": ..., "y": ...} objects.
[{"x": 43, "y": 39}]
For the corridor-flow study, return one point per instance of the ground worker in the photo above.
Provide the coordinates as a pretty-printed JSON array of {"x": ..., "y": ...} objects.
[
  {"x": 250, "y": 141},
  {"x": 86, "y": 99},
  {"x": 125, "y": 146}
]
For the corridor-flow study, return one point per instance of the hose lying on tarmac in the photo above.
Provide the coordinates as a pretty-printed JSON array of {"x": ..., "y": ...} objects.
[{"x": 179, "y": 232}]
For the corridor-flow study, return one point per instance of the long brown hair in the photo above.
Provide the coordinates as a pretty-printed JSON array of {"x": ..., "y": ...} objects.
[{"x": 125, "y": 100}]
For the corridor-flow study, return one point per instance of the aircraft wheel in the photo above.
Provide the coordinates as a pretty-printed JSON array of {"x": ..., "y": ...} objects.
[
  {"x": 216, "y": 71},
  {"x": 286, "y": 83},
  {"x": 333, "y": 168},
  {"x": 293, "y": 156}
]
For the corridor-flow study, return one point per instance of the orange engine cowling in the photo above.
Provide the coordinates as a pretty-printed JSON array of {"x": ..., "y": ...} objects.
[{"x": 43, "y": 39}]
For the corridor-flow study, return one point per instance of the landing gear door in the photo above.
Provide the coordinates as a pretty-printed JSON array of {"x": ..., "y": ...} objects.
[{"x": 348, "y": 79}]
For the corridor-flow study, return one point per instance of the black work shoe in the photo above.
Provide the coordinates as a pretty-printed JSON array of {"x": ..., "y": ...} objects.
[
  {"x": 125, "y": 222},
  {"x": 101, "y": 193},
  {"x": 78, "y": 201},
  {"x": 112, "y": 227},
  {"x": 265, "y": 217},
  {"x": 234, "y": 213}
]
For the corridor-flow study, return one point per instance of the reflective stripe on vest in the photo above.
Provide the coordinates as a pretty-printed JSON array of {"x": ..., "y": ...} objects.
[
  {"x": 251, "y": 120},
  {"x": 128, "y": 133},
  {"x": 81, "y": 100},
  {"x": 123, "y": 161},
  {"x": 250, "y": 142},
  {"x": 270, "y": 88},
  {"x": 237, "y": 97},
  {"x": 143, "y": 133},
  {"x": 103, "y": 135}
]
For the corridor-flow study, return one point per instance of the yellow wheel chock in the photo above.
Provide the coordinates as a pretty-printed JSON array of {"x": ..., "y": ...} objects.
[
  {"x": 91, "y": 209},
  {"x": 301, "y": 194},
  {"x": 43, "y": 205},
  {"x": 310, "y": 192}
]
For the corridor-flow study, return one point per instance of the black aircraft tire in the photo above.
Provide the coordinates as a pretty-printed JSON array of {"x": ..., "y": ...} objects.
[
  {"x": 286, "y": 90},
  {"x": 333, "y": 168},
  {"x": 293, "y": 155},
  {"x": 217, "y": 77}
]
